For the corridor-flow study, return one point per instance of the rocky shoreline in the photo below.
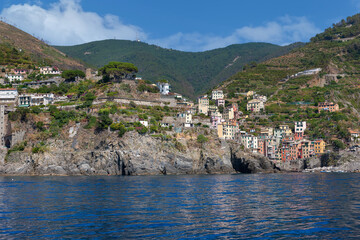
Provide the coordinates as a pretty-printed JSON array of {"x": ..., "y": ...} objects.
[{"x": 136, "y": 154}]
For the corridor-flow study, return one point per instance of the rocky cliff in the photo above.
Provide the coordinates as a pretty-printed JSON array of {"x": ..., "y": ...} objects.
[{"x": 133, "y": 154}]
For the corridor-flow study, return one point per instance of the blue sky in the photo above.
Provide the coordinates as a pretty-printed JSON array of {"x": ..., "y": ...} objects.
[{"x": 195, "y": 25}]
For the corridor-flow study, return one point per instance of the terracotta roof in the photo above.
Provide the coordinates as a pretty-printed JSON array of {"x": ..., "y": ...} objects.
[
  {"x": 353, "y": 131},
  {"x": 7, "y": 89}
]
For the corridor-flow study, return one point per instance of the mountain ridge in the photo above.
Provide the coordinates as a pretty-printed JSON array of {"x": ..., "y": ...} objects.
[{"x": 190, "y": 73}]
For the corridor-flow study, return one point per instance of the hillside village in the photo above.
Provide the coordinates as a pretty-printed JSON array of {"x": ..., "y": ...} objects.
[
  {"x": 219, "y": 116},
  {"x": 297, "y": 106}
]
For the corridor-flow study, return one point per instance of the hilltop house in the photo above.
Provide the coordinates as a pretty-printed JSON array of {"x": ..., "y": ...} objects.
[
  {"x": 217, "y": 94},
  {"x": 164, "y": 87},
  {"x": 20, "y": 71},
  {"x": 328, "y": 106},
  {"x": 255, "y": 105},
  {"x": 13, "y": 78},
  {"x": 354, "y": 134},
  {"x": 50, "y": 70},
  {"x": 28, "y": 100}
]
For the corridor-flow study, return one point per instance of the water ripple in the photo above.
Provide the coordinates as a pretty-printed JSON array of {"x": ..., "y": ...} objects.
[{"x": 260, "y": 206}]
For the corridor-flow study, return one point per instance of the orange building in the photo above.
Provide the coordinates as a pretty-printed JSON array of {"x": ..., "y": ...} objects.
[{"x": 328, "y": 106}]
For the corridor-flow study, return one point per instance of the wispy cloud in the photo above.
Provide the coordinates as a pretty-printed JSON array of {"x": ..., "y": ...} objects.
[
  {"x": 285, "y": 30},
  {"x": 66, "y": 23}
]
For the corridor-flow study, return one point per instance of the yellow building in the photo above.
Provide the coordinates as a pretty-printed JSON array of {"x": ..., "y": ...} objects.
[
  {"x": 227, "y": 130},
  {"x": 285, "y": 129},
  {"x": 319, "y": 146}
]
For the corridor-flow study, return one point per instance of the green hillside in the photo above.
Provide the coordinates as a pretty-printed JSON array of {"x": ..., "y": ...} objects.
[
  {"x": 190, "y": 73},
  {"x": 336, "y": 52},
  {"x": 18, "y": 48}
]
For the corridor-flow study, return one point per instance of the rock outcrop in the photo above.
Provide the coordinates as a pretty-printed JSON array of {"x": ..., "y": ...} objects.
[
  {"x": 133, "y": 154},
  {"x": 245, "y": 162}
]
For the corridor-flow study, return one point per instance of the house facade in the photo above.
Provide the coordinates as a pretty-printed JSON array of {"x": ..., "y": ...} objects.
[
  {"x": 50, "y": 71},
  {"x": 328, "y": 106},
  {"x": 8, "y": 95},
  {"x": 255, "y": 105},
  {"x": 28, "y": 100},
  {"x": 164, "y": 87},
  {"x": 217, "y": 94},
  {"x": 203, "y": 105},
  {"x": 300, "y": 128},
  {"x": 13, "y": 78}
]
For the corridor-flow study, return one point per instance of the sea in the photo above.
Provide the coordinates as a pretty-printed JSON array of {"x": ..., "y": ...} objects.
[{"x": 241, "y": 206}]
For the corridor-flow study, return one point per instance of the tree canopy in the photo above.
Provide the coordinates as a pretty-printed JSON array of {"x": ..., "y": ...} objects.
[
  {"x": 71, "y": 75},
  {"x": 118, "y": 70}
]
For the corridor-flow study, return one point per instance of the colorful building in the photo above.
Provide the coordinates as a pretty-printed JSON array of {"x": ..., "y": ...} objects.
[{"x": 328, "y": 106}]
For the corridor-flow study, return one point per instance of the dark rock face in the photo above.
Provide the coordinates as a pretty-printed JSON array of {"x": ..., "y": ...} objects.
[{"x": 244, "y": 162}]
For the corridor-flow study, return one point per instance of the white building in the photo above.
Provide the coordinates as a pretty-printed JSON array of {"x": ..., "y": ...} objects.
[
  {"x": 50, "y": 70},
  {"x": 260, "y": 97},
  {"x": 164, "y": 87},
  {"x": 255, "y": 105},
  {"x": 300, "y": 127},
  {"x": 188, "y": 117},
  {"x": 8, "y": 95},
  {"x": 249, "y": 141},
  {"x": 217, "y": 94},
  {"x": 144, "y": 123},
  {"x": 28, "y": 100},
  {"x": 16, "y": 77}
]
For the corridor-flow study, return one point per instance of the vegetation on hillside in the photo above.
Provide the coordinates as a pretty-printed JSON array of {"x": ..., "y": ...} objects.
[
  {"x": 189, "y": 73},
  {"x": 296, "y": 98},
  {"x": 20, "y": 49}
]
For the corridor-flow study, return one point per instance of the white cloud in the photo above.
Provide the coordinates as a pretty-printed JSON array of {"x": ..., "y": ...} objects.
[
  {"x": 65, "y": 23},
  {"x": 284, "y": 31}
]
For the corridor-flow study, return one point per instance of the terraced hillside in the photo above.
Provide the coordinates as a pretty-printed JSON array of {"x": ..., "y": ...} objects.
[{"x": 295, "y": 97}]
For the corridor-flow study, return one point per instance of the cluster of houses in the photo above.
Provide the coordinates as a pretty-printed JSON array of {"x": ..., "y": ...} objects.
[
  {"x": 278, "y": 144},
  {"x": 225, "y": 121},
  {"x": 16, "y": 75},
  {"x": 281, "y": 144}
]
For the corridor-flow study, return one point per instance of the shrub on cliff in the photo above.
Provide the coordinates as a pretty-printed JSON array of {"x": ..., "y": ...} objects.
[
  {"x": 118, "y": 127},
  {"x": 18, "y": 147},
  {"x": 202, "y": 139},
  {"x": 104, "y": 121},
  {"x": 40, "y": 125},
  {"x": 91, "y": 122},
  {"x": 39, "y": 148}
]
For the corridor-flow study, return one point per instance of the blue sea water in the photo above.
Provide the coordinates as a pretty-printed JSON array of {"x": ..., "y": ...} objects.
[{"x": 259, "y": 206}]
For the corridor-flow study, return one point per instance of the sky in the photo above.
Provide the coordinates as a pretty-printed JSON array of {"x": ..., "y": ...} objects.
[{"x": 187, "y": 25}]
